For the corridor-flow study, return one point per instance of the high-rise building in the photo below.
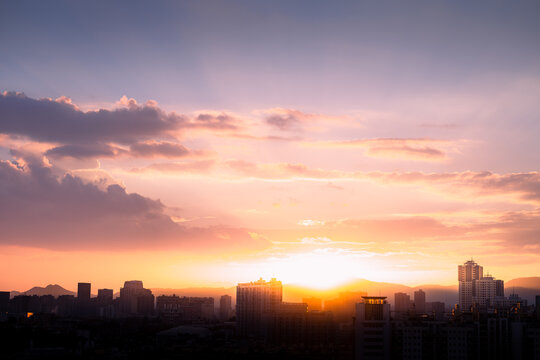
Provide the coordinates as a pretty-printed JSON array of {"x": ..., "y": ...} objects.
[
  {"x": 105, "y": 295},
  {"x": 402, "y": 302},
  {"x": 225, "y": 307},
  {"x": 135, "y": 299},
  {"x": 254, "y": 299},
  {"x": 83, "y": 292},
  {"x": 487, "y": 289},
  {"x": 372, "y": 328},
  {"x": 468, "y": 273},
  {"x": 83, "y": 299},
  {"x": 4, "y": 302},
  {"x": 420, "y": 302}
]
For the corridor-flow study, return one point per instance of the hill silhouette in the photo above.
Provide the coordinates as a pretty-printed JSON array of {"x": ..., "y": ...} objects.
[{"x": 51, "y": 289}]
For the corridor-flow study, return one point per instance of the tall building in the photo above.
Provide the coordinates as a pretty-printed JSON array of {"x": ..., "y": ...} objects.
[
  {"x": 4, "y": 302},
  {"x": 225, "y": 307},
  {"x": 420, "y": 302},
  {"x": 105, "y": 295},
  {"x": 487, "y": 289},
  {"x": 468, "y": 273},
  {"x": 402, "y": 302},
  {"x": 83, "y": 292},
  {"x": 135, "y": 299},
  {"x": 83, "y": 299},
  {"x": 372, "y": 328},
  {"x": 254, "y": 299}
]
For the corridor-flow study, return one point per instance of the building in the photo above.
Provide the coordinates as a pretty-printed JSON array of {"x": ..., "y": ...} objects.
[
  {"x": 105, "y": 296},
  {"x": 420, "y": 302},
  {"x": 83, "y": 299},
  {"x": 135, "y": 299},
  {"x": 4, "y": 302},
  {"x": 105, "y": 304},
  {"x": 254, "y": 299},
  {"x": 402, "y": 303},
  {"x": 286, "y": 325},
  {"x": 83, "y": 292},
  {"x": 372, "y": 328},
  {"x": 185, "y": 309},
  {"x": 468, "y": 274},
  {"x": 225, "y": 307},
  {"x": 487, "y": 289}
]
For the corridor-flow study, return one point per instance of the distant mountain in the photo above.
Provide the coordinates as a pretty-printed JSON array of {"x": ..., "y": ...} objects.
[
  {"x": 524, "y": 282},
  {"x": 447, "y": 294},
  {"x": 54, "y": 290}
]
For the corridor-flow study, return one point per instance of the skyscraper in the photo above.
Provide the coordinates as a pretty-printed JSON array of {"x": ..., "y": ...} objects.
[
  {"x": 254, "y": 299},
  {"x": 420, "y": 301},
  {"x": 83, "y": 292},
  {"x": 402, "y": 302},
  {"x": 225, "y": 307},
  {"x": 487, "y": 289},
  {"x": 135, "y": 299},
  {"x": 468, "y": 273},
  {"x": 372, "y": 328},
  {"x": 83, "y": 299}
]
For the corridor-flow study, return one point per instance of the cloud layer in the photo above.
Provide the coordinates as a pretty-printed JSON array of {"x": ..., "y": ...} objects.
[{"x": 38, "y": 209}]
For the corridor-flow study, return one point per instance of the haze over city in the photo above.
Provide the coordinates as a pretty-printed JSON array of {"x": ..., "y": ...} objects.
[{"x": 205, "y": 144}]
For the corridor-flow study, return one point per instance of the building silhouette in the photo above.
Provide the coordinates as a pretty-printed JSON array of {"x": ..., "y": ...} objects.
[
  {"x": 402, "y": 303},
  {"x": 225, "y": 307},
  {"x": 420, "y": 302},
  {"x": 487, "y": 290},
  {"x": 4, "y": 302},
  {"x": 135, "y": 299},
  {"x": 177, "y": 309},
  {"x": 372, "y": 329},
  {"x": 83, "y": 299},
  {"x": 468, "y": 274},
  {"x": 254, "y": 299},
  {"x": 83, "y": 292}
]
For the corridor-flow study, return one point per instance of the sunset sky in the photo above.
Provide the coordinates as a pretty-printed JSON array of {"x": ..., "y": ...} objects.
[{"x": 202, "y": 143}]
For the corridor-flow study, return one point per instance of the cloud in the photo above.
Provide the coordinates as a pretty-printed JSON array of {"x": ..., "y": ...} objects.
[
  {"x": 46, "y": 120},
  {"x": 286, "y": 119},
  {"x": 407, "y": 148},
  {"x": 161, "y": 149},
  {"x": 202, "y": 166},
  {"x": 103, "y": 133},
  {"x": 40, "y": 209},
  {"x": 523, "y": 186},
  {"x": 221, "y": 121},
  {"x": 84, "y": 151}
]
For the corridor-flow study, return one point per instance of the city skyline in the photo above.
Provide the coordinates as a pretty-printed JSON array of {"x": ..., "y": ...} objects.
[{"x": 203, "y": 144}]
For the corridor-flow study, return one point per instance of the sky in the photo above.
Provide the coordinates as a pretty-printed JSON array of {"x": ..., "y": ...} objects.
[{"x": 206, "y": 143}]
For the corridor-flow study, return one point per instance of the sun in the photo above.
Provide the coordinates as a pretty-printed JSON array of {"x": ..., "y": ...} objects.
[{"x": 319, "y": 270}]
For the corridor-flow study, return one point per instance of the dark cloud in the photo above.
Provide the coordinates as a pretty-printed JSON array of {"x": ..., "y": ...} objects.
[
  {"x": 60, "y": 121},
  {"x": 287, "y": 119},
  {"x": 81, "y": 134},
  {"x": 160, "y": 149},
  {"x": 218, "y": 122},
  {"x": 39, "y": 209},
  {"x": 84, "y": 151}
]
